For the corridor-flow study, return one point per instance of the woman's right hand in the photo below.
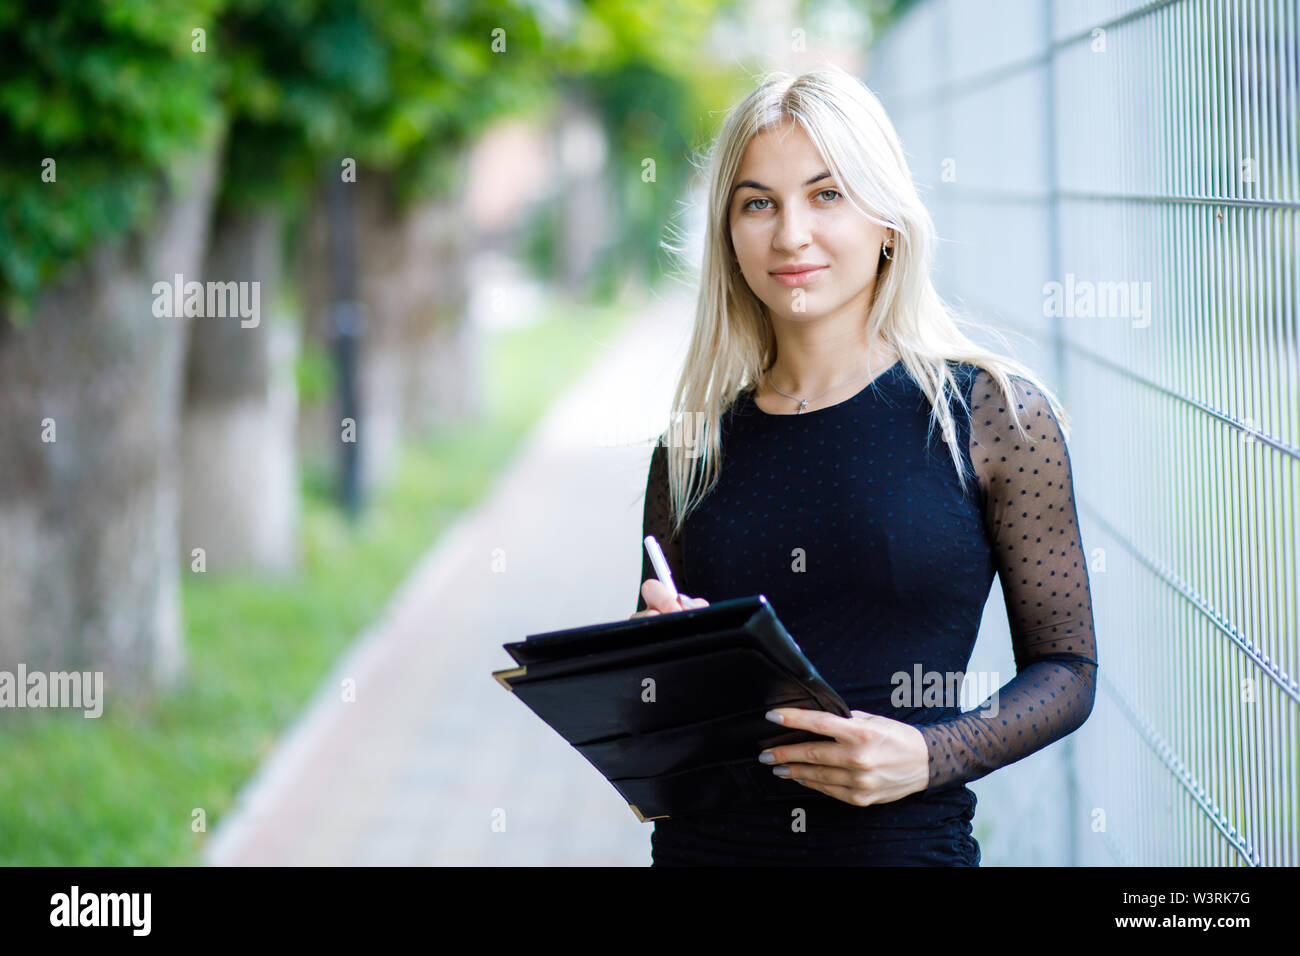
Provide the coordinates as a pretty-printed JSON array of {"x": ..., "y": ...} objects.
[{"x": 659, "y": 600}]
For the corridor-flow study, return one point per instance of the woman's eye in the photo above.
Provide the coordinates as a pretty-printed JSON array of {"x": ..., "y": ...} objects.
[{"x": 835, "y": 194}]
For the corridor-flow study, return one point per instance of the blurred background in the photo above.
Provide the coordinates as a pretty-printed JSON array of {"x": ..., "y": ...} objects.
[{"x": 335, "y": 333}]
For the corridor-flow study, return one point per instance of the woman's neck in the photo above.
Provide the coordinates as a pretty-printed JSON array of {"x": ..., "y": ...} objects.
[{"x": 808, "y": 372}]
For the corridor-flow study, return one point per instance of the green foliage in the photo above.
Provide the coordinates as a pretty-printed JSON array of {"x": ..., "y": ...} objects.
[
  {"x": 456, "y": 66},
  {"x": 315, "y": 373},
  {"x": 395, "y": 85},
  {"x": 641, "y": 67},
  {"x": 112, "y": 93},
  {"x": 298, "y": 72},
  {"x": 648, "y": 113},
  {"x": 115, "y": 93},
  {"x": 541, "y": 244}
]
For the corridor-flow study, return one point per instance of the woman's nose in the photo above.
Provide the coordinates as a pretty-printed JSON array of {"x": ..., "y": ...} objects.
[{"x": 792, "y": 231}]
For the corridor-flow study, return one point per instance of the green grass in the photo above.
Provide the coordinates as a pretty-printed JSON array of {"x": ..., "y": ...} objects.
[{"x": 122, "y": 789}]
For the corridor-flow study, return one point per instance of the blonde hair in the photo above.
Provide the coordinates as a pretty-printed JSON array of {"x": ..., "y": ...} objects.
[{"x": 733, "y": 341}]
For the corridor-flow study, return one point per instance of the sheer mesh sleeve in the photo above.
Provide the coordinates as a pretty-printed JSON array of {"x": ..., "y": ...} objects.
[
  {"x": 657, "y": 520},
  {"x": 1032, "y": 524}
]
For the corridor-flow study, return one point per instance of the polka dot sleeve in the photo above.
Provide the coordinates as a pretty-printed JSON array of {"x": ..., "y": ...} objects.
[
  {"x": 657, "y": 520},
  {"x": 1032, "y": 524}
]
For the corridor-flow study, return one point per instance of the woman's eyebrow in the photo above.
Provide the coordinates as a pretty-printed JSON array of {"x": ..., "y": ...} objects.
[{"x": 767, "y": 189}]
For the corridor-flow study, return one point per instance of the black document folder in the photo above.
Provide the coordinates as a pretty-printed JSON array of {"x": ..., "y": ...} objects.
[{"x": 669, "y": 708}]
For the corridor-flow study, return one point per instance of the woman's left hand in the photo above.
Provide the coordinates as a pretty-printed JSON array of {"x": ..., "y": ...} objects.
[{"x": 872, "y": 759}]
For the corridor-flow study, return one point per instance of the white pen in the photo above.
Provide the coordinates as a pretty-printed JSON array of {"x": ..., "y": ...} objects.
[{"x": 661, "y": 566}]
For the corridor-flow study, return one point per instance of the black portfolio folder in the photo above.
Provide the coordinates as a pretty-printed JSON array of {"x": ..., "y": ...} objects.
[{"x": 669, "y": 708}]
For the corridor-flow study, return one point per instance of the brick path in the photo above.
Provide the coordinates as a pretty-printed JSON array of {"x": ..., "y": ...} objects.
[{"x": 433, "y": 749}]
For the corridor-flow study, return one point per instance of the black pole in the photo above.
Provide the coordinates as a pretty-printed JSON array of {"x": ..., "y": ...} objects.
[{"x": 347, "y": 325}]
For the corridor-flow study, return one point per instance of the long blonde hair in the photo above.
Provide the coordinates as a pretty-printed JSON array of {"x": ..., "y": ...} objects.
[{"x": 733, "y": 340}]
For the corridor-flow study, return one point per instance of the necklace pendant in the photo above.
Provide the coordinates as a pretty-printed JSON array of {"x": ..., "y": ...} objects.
[{"x": 803, "y": 403}]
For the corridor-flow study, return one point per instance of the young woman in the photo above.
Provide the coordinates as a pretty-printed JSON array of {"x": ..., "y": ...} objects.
[{"x": 868, "y": 468}]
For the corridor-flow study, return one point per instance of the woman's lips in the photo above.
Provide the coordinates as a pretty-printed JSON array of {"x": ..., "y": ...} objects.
[{"x": 798, "y": 278}]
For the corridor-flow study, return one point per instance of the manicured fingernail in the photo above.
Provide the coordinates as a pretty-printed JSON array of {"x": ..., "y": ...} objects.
[
  {"x": 781, "y": 771},
  {"x": 774, "y": 717},
  {"x": 767, "y": 757}
]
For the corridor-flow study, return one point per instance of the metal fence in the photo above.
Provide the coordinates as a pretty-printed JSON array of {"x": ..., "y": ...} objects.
[{"x": 1145, "y": 157}]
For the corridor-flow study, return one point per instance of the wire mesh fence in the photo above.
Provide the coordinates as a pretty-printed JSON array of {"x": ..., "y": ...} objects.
[{"x": 1117, "y": 185}]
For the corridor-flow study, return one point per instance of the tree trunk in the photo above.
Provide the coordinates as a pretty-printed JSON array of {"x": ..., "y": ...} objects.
[
  {"x": 239, "y": 499},
  {"x": 89, "y": 413},
  {"x": 585, "y": 193},
  {"x": 444, "y": 351}
]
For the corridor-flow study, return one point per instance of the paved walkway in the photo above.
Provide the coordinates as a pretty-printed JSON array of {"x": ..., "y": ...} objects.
[{"x": 433, "y": 750}]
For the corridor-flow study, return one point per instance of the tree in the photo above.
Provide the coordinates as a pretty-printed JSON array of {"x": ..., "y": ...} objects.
[{"x": 110, "y": 125}]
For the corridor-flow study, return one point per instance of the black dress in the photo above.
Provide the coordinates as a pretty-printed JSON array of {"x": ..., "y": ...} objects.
[{"x": 851, "y": 521}]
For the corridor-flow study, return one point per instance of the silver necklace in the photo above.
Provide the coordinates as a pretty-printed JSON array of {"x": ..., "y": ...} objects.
[{"x": 803, "y": 402}]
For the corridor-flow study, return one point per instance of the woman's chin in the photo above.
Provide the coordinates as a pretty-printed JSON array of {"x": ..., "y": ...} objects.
[{"x": 788, "y": 315}]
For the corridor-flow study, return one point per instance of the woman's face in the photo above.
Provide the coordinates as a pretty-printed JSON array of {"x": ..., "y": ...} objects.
[{"x": 788, "y": 211}]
